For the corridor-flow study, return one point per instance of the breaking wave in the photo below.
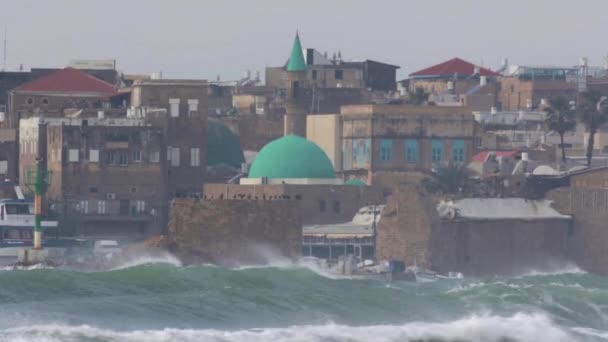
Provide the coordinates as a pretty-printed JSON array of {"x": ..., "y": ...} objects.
[
  {"x": 156, "y": 299},
  {"x": 519, "y": 327}
]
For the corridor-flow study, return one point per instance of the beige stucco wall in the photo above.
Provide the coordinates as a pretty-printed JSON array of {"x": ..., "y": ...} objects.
[{"x": 326, "y": 131}]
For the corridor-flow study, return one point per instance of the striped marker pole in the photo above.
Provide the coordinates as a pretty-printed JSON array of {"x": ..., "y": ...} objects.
[{"x": 38, "y": 208}]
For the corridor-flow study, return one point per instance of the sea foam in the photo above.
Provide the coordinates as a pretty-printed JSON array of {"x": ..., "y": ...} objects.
[{"x": 520, "y": 327}]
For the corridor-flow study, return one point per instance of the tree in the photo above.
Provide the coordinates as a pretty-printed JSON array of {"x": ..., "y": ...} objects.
[
  {"x": 561, "y": 118},
  {"x": 448, "y": 178},
  {"x": 593, "y": 115},
  {"x": 418, "y": 96}
]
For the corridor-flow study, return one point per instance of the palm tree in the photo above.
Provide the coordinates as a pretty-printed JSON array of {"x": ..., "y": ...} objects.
[
  {"x": 448, "y": 178},
  {"x": 561, "y": 118},
  {"x": 593, "y": 115}
]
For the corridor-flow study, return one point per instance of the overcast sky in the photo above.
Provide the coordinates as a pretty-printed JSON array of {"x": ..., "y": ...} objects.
[{"x": 201, "y": 39}]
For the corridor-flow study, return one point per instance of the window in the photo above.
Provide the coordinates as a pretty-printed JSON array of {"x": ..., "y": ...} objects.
[
  {"x": 45, "y": 101},
  {"x": 336, "y": 207},
  {"x": 458, "y": 150},
  {"x": 73, "y": 156},
  {"x": 94, "y": 156},
  {"x": 124, "y": 207},
  {"x": 29, "y": 101},
  {"x": 140, "y": 206},
  {"x": 3, "y": 167},
  {"x": 192, "y": 105},
  {"x": 436, "y": 150},
  {"x": 154, "y": 157},
  {"x": 174, "y": 104},
  {"x": 111, "y": 158},
  {"x": 195, "y": 156},
  {"x": 93, "y": 190},
  {"x": 137, "y": 156},
  {"x": 101, "y": 207},
  {"x": 322, "y": 205},
  {"x": 386, "y": 150},
  {"x": 314, "y": 74},
  {"x": 175, "y": 156},
  {"x": 411, "y": 151},
  {"x": 338, "y": 74},
  {"x": 84, "y": 206},
  {"x": 122, "y": 159}
]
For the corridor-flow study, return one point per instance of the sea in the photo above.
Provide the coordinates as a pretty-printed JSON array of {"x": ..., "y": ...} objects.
[{"x": 158, "y": 299}]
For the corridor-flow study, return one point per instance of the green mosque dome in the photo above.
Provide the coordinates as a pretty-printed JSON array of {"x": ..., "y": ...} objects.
[
  {"x": 292, "y": 157},
  {"x": 223, "y": 146}
]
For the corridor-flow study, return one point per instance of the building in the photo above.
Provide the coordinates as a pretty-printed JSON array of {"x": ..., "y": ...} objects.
[
  {"x": 54, "y": 94},
  {"x": 526, "y": 87},
  {"x": 295, "y": 169},
  {"x": 107, "y": 176},
  {"x": 184, "y": 129},
  {"x": 398, "y": 138},
  {"x": 332, "y": 241},
  {"x": 323, "y": 72},
  {"x": 457, "y": 82}
]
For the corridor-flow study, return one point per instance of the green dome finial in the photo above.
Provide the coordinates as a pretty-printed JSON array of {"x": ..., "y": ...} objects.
[{"x": 296, "y": 59}]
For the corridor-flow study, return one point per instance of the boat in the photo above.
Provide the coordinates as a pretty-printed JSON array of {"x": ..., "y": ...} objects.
[{"x": 17, "y": 228}]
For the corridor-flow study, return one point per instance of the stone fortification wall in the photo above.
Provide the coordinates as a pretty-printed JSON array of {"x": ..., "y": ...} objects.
[
  {"x": 404, "y": 230},
  {"x": 411, "y": 230},
  {"x": 234, "y": 232},
  {"x": 498, "y": 247}
]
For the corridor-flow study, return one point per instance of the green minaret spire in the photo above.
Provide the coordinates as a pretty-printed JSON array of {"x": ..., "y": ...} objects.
[{"x": 296, "y": 60}]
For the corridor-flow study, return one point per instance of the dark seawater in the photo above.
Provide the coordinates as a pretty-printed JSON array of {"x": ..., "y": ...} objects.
[{"x": 153, "y": 301}]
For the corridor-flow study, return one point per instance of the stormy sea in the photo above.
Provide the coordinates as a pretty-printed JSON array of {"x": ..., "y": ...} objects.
[{"x": 161, "y": 300}]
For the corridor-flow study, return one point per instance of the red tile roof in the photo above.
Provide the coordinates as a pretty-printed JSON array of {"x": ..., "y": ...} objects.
[
  {"x": 453, "y": 66},
  {"x": 481, "y": 156},
  {"x": 69, "y": 80}
]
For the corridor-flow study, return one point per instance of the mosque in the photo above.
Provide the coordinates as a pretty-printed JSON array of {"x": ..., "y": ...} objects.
[{"x": 294, "y": 168}]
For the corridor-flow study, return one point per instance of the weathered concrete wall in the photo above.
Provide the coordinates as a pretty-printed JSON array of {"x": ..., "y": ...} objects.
[
  {"x": 498, "y": 247},
  {"x": 234, "y": 232}
]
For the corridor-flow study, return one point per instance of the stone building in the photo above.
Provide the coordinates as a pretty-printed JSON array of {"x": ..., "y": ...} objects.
[
  {"x": 383, "y": 138},
  {"x": 107, "y": 176},
  {"x": 525, "y": 87},
  {"x": 323, "y": 72},
  {"x": 184, "y": 129},
  {"x": 457, "y": 82},
  {"x": 55, "y": 93}
]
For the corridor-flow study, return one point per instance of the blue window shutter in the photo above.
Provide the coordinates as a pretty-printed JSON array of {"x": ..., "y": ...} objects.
[
  {"x": 411, "y": 150},
  {"x": 386, "y": 150},
  {"x": 458, "y": 150},
  {"x": 436, "y": 150}
]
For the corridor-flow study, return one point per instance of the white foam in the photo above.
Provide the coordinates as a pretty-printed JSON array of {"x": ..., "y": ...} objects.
[
  {"x": 520, "y": 327},
  {"x": 565, "y": 269},
  {"x": 157, "y": 258}
]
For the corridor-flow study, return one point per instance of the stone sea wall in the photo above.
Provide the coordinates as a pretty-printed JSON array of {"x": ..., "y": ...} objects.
[{"x": 233, "y": 232}]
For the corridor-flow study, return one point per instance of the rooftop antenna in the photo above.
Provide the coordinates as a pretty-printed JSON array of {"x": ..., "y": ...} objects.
[{"x": 4, "y": 51}]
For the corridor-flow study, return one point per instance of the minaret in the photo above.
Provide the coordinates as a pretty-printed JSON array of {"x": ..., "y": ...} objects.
[{"x": 295, "y": 117}]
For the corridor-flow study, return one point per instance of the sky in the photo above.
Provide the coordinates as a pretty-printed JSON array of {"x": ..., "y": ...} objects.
[{"x": 204, "y": 39}]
